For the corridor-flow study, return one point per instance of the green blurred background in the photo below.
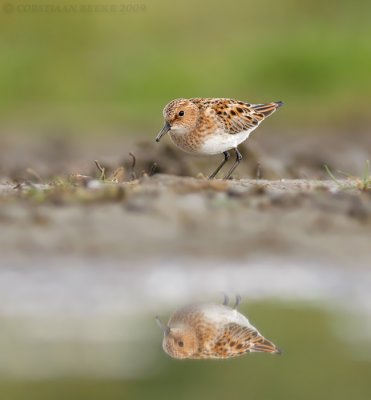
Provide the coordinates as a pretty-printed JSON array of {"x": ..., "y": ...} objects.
[
  {"x": 319, "y": 362},
  {"x": 101, "y": 71}
]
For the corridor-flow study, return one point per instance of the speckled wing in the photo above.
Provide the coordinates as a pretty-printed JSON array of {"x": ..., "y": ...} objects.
[
  {"x": 236, "y": 340},
  {"x": 237, "y": 116}
]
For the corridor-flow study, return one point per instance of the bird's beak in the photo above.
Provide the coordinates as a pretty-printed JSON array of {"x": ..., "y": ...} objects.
[
  {"x": 163, "y": 131},
  {"x": 165, "y": 328}
]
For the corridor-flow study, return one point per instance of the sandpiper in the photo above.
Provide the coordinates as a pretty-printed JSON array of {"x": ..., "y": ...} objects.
[
  {"x": 213, "y": 125},
  {"x": 208, "y": 330}
]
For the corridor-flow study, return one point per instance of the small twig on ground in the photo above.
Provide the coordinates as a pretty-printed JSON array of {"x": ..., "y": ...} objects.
[
  {"x": 133, "y": 174},
  {"x": 30, "y": 184},
  {"x": 18, "y": 186},
  {"x": 101, "y": 169},
  {"x": 258, "y": 172},
  {"x": 34, "y": 174},
  {"x": 153, "y": 169}
]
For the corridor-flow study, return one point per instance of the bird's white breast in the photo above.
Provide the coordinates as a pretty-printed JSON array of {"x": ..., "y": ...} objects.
[
  {"x": 221, "y": 141},
  {"x": 220, "y": 314}
]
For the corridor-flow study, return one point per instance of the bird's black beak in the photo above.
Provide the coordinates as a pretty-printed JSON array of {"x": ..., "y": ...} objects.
[
  {"x": 163, "y": 131},
  {"x": 165, "y": 328}
]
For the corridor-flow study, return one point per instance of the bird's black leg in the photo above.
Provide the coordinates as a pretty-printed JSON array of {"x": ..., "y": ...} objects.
[
  {"x": 226, "y": 300},
  {"x": 226, "y": 158},
  {"x": 235, "y": 165},
  {"x": 238, "y": 301}
]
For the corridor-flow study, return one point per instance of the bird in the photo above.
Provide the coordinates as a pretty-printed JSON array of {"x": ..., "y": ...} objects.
[
  {"x": 213, "y": 126},
  {"x": 212, "y": 331}
]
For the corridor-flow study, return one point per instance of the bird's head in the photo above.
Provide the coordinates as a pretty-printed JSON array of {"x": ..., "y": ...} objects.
[
  {"x": 180, "y": 116},
  {"x": 179, "y": 341}
]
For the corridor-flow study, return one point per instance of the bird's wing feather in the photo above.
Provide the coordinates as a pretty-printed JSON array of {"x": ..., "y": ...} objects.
[
  {"x": 237, "y": 116},
  {"x": 237, "y": 339}
]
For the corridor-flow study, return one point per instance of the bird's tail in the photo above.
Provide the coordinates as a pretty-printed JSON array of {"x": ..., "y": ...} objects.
[
  {"x": 261, "y": 344},
  {"x": 267, "y": 109}
]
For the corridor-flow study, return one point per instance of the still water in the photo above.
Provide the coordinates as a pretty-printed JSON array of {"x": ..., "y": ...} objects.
[{"x": 85, "y": 329}]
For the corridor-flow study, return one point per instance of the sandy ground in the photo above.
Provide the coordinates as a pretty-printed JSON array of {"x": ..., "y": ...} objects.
[
  {"x": 268, "y": 155},
  {"x": 53, "y": 205},
  {"x": 167, "y": 216}
]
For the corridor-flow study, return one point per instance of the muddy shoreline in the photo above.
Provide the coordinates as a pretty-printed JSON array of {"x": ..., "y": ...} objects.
[{"x": 175, "y": 217}]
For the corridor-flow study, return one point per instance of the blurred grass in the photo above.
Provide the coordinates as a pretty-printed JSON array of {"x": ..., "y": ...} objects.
[
  {"x": 315, "y": 364},
  {"x": 101, "y": 70}
]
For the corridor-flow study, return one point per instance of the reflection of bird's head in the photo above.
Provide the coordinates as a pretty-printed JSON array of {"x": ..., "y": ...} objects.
[{"x": 180, "y": 342}]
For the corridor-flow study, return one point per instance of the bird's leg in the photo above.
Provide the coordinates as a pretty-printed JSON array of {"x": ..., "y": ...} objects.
[
  {"x": 226, "y": 300},
  {"x": 226, "y": 158},
  {"x": 238, "y": 301},
  {"x": 235, "y": 165}
]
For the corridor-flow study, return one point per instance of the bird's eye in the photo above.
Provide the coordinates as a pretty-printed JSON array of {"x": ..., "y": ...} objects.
[
  {"x": 181, "y": 344},
  {"x": 181, "y": 113}
]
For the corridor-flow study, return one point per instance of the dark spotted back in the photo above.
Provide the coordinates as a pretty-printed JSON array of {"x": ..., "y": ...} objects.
[
  {"x": 236, "y": 340},
  {"x": 236, "y": 116}
]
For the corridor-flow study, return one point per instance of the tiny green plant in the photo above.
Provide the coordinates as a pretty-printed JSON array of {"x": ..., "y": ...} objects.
[
  {"x": 332, "y": 176},
  {"x": 362, "y": 183},
  {"x": 366, "y": 179}
]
